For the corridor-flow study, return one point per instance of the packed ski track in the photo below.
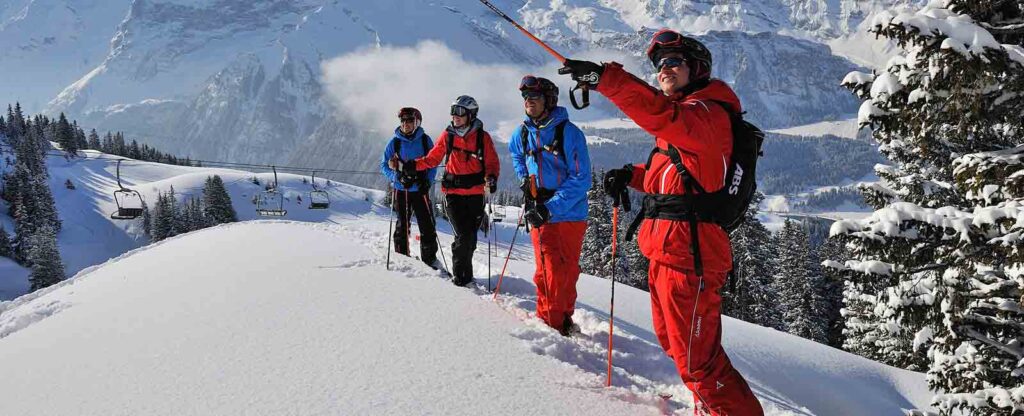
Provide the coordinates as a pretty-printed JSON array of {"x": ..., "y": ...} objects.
[{"x": 223, "y": 319}]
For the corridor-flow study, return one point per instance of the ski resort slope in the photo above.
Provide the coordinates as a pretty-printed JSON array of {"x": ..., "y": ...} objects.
[{"x": 282, "y": 317}]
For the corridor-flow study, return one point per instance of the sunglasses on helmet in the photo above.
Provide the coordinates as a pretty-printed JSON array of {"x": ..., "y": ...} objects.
[
  {"x": 670, "y": 62},
  {"x": 408, "y": 119},
  {"x": 458, "y": 110}
]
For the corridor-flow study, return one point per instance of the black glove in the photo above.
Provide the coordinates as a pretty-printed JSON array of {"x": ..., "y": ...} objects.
[
  {"x": 583, "y": 72},
  {"x": 409, "y": 168},
  {"x": 616, "y": 180},
  {"x": 492, "y": 184},
  {"x": 407, "y": 181},
  {"x": 537, "y": 216}
]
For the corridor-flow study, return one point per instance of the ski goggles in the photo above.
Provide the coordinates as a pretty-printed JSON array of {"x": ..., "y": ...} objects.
[
  {"x": 458, "y": 110},
  {"x": 670, "y": 62},
  {"x": 665, "y": 39},
  {"x": 529, "y": 82},
  {"x": 532, "y": 95}
]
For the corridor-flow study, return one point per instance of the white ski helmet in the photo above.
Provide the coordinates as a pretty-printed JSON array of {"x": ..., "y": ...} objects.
[{"x": 465, "y": 105}]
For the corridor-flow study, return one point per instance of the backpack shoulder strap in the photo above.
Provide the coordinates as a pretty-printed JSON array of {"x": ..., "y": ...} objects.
[
  {"x": 423, "y": 141},
  {"x": 480, "y": 145},
  {"x": 450, "y": 145},
  {"x": 523, "y": 133},
  {"x": 398, "y": 147},
  {"x": 559, "y": 144}
]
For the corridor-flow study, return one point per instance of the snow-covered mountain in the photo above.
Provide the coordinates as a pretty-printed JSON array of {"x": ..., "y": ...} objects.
[
  {"x": 302, "y": 316},
  {"x": 244, "y": 80}
]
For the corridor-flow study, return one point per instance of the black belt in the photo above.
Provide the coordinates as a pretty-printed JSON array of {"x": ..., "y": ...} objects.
[
  {"x": 676, "y": 208},
  {"x": 453, "y": 181}
]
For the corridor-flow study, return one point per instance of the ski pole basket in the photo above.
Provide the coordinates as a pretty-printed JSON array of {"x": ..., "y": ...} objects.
[
  {"x": 270, "y": 203},
  {"x": 129, "y": 202}
]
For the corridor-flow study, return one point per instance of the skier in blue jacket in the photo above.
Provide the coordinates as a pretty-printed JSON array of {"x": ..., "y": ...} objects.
[
  {"x": 550, "y": 157},
  {"x": 411, "y": 190}
]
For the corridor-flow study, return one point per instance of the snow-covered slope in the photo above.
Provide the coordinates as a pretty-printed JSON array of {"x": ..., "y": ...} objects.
[
  {"x": 90, "y": 237},
  {"x": 293, "y": 318}
]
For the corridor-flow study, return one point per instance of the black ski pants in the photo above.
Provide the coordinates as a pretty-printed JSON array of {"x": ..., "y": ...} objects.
[
  {"x": 419, "y": 202},
  {"x": 464, "y": 213}
]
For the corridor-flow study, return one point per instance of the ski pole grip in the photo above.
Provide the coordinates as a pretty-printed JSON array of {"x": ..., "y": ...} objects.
[{"x": 586, "y": 96}]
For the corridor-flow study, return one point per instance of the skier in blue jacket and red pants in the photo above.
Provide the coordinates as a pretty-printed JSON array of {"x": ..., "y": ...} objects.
[{"x": 550, "y": 157}]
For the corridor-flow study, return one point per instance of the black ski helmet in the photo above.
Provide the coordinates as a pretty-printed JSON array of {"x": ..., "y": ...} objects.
[
  {"x": 698, "y": 57},
  {"x": 542, "y": 85}
]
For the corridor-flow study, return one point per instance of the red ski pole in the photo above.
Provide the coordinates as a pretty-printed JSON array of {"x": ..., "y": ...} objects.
[
  {"x": 561, "y": 59},
  {"x": 611, "y": 310},
  {"x": 519, "y": 224}
]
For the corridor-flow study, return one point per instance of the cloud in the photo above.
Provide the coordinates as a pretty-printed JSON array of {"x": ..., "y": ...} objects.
[{"x": 369, "y": 86}]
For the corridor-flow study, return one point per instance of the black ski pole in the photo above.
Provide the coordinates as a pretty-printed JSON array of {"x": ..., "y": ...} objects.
[{"x": 437, "y": 236}]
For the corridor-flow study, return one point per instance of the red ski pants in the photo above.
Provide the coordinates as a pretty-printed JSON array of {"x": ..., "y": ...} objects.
[
  {"x": 688, "y": 321},
  {"x": 556, "y": 250}
]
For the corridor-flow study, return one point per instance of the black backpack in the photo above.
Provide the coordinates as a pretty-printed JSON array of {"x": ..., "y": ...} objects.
[
  {"x": 728, "y": 206},
  {"x": 741, "y": 178}
]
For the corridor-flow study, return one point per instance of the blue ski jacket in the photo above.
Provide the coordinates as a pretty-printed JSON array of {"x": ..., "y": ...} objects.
[
  {"x": 569, "y": 178},
  {"x": 411, "y": 148}
]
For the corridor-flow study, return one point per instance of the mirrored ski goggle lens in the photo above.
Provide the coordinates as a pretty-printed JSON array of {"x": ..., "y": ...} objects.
[
  {"x": 529, "y": 81},
  {"x": 532, "y": 95},
  {"x": 670, "y": 63},
  {"x": 667, "y": 38},
  {"x": 459, "y": 111}
]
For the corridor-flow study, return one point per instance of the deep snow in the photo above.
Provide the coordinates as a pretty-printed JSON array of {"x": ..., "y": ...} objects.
[{"x": 281, "y": 317}]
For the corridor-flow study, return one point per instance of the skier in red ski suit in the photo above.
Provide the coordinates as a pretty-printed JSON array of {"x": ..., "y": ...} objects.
[{"x": 688, "y": 114}]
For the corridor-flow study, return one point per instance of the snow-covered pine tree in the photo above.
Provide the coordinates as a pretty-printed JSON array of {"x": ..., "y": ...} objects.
[
  {"x": 595, "y": 256},
  {"x": 44, "y": 259},
  {"x": 217, "y": 201},
  {"x": 64, "y": 135},
  {"x": 163, "y": 218},
  {"x": 93, "y": 141},
  {"x": 636, "y": 265},
  {"x": 832, "y": 291},
  {"x": 797, "y": 285},
  {"x": 147, "y": 220},
  {"x": 750, "y": 292},
  {"x": 930, "y": 285},
  {"x": 5, "y": 244},
  {"x": 977, "y": 357}
]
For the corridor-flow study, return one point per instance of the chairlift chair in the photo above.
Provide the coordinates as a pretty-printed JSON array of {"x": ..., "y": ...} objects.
[
  {"x": 266, "y": 201},
  {"x": 129, "y": 202},
  {"x": 318, "y": 199}
]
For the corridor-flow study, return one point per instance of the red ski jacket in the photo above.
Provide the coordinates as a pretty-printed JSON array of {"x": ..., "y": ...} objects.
[
  {"x": 463, "y": 160},
  {"x": 700, "y": 129}
]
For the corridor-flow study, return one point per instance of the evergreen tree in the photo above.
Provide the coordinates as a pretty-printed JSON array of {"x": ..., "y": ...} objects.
[
  {"x": 832, "y": 293},
  {"x": 5, "y": 244},
  {"x": 163, "y": 218},
  {"x": 93, "y": 141},
  {"x": 65, "y": 136},
  {"x": 147, "y": 221},
  {"x": 44, "y": 259},
  {"x": 935, "y": 279},
  {"x": 217, "y": 202},
  {"x": 797, "y": 285},
  {"x": 750, "y": 292},
  {"x": 595, "y": 256}
]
